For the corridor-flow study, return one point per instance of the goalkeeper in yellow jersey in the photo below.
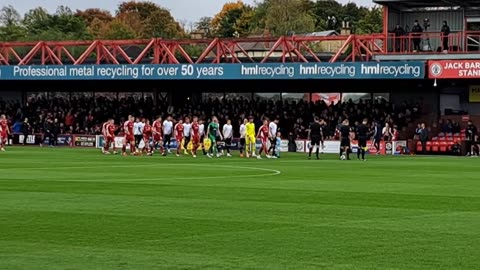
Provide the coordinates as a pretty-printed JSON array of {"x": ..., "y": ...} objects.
[{"x": 250, "y": 138}]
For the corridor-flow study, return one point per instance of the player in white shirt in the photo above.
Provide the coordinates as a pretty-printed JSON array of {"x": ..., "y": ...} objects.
[
  {"x": 228, "y": 136},
  {"x": 187, "y": 128},
  {"x": 167, "y": 133},
  {"x": 243, "y": 133},
  {"x": 272, "y": 136},
  {"x": 138, "y": 132}
]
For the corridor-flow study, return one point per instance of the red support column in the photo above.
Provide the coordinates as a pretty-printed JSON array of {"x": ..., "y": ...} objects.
[{"x": 385, "y": 28}]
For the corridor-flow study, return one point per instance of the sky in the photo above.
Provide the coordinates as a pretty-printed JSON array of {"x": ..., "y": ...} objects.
[{"x": 182, "y": 10}]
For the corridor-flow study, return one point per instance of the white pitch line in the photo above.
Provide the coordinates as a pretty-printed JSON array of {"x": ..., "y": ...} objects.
[{"x": 272, "y": 172}]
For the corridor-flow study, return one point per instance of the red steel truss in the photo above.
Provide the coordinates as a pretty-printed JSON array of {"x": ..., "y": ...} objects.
[
  {"x": 250, "y": 50},
  {"x": 160, "y": 51}
]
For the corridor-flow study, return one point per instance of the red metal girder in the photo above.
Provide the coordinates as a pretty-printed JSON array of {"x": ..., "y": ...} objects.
[
  {"x": 235, "y": 45},
  {"x": 385, "y": 26},
  {"x": 26, "y": 60},
  {"x": 15, "y": 54},
  {"x": 144, "y": 52},
  {"x": 182, "y": 52},
  {"x": 86, "y": 53},
  {"x": 168, "y": 53},
  {"x": 109, "y": 57},
  {"x": 209, "y": 48},
  {"x": 342, "y": 48},
  {"x": 52, "y": 56},
  {"x": 3, "y": 57},
  {"x": 288, "y": 49},
  {"x": 301, "y": 44}
]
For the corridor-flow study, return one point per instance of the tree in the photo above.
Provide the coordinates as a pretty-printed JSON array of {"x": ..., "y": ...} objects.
[
  {"x": 89, "y": 15},
  {"x": 231, "y": 20},
  {"x": 62, "y": 25},
  {"x": 286, "y": 16},
  {"x": 9, "y": 16},
  {"x": 117, "y": 29},
  {"x": 162, "y": 24},
  {"x": 371, "y": 23},
  {"x": 144, "y": 9},
  {"x": 156, "y": 21},
  {"x": 322, "y": 10},
  {"x": 204, "y": 24},
  {"x": 10, "y": 24}
]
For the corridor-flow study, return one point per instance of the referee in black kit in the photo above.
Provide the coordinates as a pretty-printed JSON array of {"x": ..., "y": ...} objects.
[
  {"x": 315, "y": 136},
  {"x": 362, "y": 136},
  {"x": 345, "y": 139}
]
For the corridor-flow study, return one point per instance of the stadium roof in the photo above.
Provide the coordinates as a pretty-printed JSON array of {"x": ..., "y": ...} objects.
[{"x": 415, "y": 4}]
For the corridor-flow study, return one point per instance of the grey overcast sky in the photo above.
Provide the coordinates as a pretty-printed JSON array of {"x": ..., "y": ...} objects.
[{"x": 188, "y": 10}]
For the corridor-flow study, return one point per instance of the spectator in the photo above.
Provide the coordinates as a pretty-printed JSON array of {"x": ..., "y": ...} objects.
[
  {"x": 445, "y": 32},
  {"x": 416, "y": 34}
]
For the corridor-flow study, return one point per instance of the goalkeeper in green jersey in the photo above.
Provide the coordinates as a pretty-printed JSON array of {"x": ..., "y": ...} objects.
[{"x": 213, "y": 132}]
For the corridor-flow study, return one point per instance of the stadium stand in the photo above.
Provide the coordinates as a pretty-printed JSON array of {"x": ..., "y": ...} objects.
[{"x": 84, "y": 115}]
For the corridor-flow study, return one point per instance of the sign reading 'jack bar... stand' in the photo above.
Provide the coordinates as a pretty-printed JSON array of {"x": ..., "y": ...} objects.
[
  {"x": 358, "y": 70},
  {"x": 454, "y": 69}
]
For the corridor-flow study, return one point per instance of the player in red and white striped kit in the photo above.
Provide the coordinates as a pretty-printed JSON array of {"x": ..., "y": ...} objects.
[
  {"x": 4, "y": 132},
  {"x": 147, "y": 135},
  {"x": 263, "y": 135},
  {"x": 179, "y": 135},
  {"x": 108, "y": 131},
  {"x": 129, "y": 136},
  {"x": 195, "y": 132},
  {"x": 157, "y": 133}
]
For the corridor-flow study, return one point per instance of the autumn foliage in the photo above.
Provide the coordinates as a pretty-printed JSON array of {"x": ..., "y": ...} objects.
[{"x": 144, "y": 20}]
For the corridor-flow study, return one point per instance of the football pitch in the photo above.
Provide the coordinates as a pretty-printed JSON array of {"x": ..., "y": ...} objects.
[{"x": 77, "y": 209}]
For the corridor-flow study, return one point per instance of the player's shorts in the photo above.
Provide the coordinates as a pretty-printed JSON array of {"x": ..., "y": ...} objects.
[
  {"x": 273, "y": 141},
  {"x": 146, "y": 138},
  {"x": 264, "y": 141},
  {"x": 109, "y": 140},
  {"x": 315, "y": 140},
  {"x": 242, "y": 142},
  {"x": 157, "y": 138},
  {"x": 362, "y": 142},
  {"x": 3, "y": 136},
  {"x": 345, "y": 143},
  {"x": 129, "y": 138},
  {"x": 213, "y": 139},
  {"x": 196, "y": 140},
  {"x": 179, "y": 140},
  {"x": 250, "y": 139}
]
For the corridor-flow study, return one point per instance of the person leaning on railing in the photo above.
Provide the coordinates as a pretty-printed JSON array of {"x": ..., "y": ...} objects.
[
  {"x": 399, "y": 33},
  {"x": 445, "y": 32},
  {"x": 416, "y": 33}
]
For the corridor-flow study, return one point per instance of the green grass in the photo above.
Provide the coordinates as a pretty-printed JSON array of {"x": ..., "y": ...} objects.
[{"x": 76, "y": 209}]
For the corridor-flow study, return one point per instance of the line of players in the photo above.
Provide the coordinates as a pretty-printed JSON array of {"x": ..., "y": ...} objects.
[
  {"x": 4, "y": 132},
  {"x": 159, "y": 134},
  {"x": 346, "y": 133}
]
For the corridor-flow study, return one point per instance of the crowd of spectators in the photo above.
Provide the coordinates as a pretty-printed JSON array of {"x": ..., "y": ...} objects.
[{"x": 84, "y": 115}]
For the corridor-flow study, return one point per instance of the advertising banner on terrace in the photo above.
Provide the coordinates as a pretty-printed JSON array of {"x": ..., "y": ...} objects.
[{"x": 270, "y": 71}]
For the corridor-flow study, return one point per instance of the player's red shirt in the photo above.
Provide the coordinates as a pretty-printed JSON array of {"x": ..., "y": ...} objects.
[
  {"x": 4, "y": 126},
  {"x": 128, "y": 127},
  {"x": 179, "y": 131},
  {"x": 147, "y": 131},
  {"x": 111, "y": 130},
  {"x": 157, "y": 127},
  {"x": 395, "y": 135},
  {"x": 195, "y": 130},
  {"x": 264, "y": 132}
]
